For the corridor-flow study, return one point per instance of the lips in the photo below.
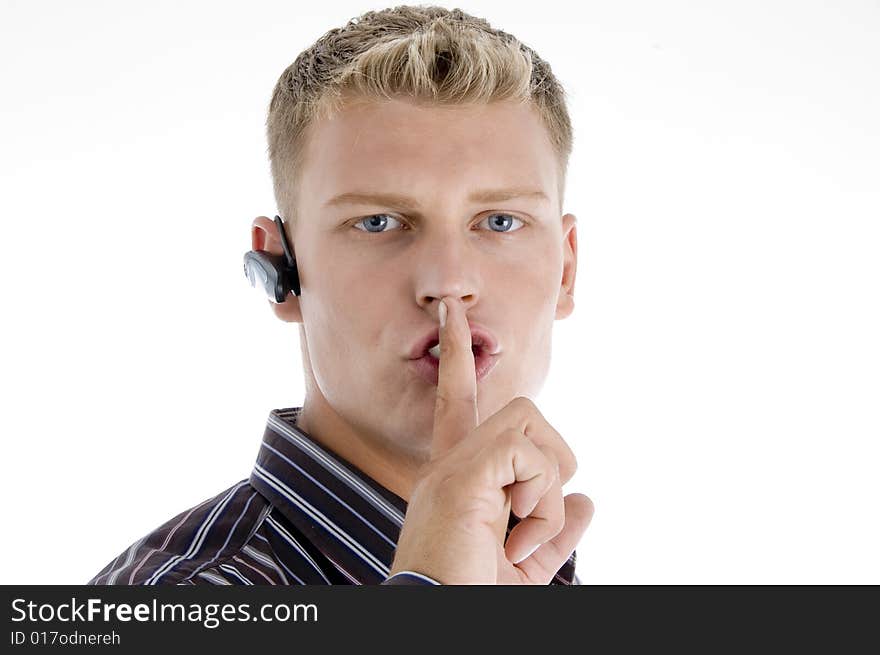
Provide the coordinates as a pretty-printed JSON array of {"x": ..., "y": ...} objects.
[{"x": 482, "y": 342}]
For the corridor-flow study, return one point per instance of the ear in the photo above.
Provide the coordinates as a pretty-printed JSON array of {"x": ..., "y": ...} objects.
[
  {"x": 565, "y": 302},
  {"x": 265, "y": 236}
]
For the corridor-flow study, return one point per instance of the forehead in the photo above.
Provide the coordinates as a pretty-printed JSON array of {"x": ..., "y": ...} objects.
[{"x": 396, "y": 145}]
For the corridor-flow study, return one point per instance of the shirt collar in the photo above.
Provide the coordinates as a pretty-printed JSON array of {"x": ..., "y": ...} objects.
[{"x": 350, "y": 517}]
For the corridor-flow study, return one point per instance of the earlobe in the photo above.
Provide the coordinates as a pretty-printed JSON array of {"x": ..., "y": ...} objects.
[
  {"x": 564, "y": 306},
  {"x": 288, "y": 311}
]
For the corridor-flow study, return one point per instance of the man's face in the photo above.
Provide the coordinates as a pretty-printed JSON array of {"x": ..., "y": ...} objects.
[{"x": 374, "y": 271}]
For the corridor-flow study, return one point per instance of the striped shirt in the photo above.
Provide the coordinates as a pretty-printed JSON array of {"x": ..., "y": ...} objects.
[{"x": 304, "y": 516}]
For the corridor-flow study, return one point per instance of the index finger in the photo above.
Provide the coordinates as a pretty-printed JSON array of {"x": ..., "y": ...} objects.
[{"x": 455, "y": 412}]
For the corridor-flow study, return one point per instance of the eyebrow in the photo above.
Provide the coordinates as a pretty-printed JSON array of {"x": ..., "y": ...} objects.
[{"x": 410, "y": 204}]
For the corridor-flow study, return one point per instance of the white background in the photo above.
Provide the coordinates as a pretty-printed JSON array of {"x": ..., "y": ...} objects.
[{"x": 719, "y": 379}]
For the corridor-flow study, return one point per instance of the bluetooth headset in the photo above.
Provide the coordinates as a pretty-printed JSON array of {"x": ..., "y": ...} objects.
[{"x": 277, "y": 273}]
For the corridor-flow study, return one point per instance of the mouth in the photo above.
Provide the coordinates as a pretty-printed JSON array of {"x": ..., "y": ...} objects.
[
  {"x": 482, "y": 340},
  {"x": 428, "y": 366},
  {"x": 432, "y": 348},
  {"x": 424, "y": 354}
]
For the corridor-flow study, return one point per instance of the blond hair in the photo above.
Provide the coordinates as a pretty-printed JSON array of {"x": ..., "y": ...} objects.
[{"x": 427, "y": 54}]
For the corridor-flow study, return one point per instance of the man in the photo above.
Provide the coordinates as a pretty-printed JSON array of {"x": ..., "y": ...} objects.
[{"x": 418, "y": 158}]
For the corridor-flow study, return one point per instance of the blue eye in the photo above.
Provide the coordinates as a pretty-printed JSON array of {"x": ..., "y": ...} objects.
[
  {"x": 377, "y": 221},
  {"x": 504, "y": 223}
]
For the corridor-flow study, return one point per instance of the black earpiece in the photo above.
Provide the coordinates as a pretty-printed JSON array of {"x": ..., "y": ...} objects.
[{"x": 277, "y": 273}]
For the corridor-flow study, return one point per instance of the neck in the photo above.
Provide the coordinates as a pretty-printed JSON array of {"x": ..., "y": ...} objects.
[{"x": 388, "y": 465}]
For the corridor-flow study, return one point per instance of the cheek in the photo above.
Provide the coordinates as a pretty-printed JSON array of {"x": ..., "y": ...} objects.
[
  {"x": 339, "y": 291},
  {"x": 539, "y": 281},
  {"x": 348, "y": 325},
  {"x": 532, "y": 307}
]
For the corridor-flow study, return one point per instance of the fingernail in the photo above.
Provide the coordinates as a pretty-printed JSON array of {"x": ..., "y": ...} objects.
[
  {"x": 442, "y": 311},
  {"x": 527, "y": 555}
]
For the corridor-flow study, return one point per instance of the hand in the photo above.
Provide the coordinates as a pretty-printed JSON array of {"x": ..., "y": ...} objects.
[{"x": 457, "y": 514}]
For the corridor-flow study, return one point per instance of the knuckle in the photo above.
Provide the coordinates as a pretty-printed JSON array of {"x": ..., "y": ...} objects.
[
  {"x": 552, "y": 461},
  {"x": 568, "y": 466},
  {"x": 565, "y": 457},
  {"x": 447, "y": 398},
  {"x": 524, "y": 404}
]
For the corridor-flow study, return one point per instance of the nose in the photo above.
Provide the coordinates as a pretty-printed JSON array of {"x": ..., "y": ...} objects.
[
  {"x": 447, "y": 264},
  {"x": 432, "y": 304}
]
